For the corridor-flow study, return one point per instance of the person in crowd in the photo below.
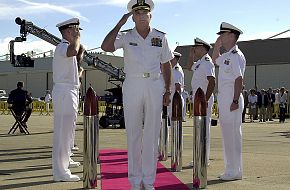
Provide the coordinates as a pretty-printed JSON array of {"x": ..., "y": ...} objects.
[
  {"x": 282, "y": 99},
  {"x": 47, "y": 100},
  {"x": 252, "y": 99},
  {"x": 270, "y": 107},
  {"x": 288, "y": 100},
  {"x": 276, "y": 103},
  {"x": 245, "y": 95},
  {"x": 20, "y": 100},
  {"x": 262, "y": 105}
]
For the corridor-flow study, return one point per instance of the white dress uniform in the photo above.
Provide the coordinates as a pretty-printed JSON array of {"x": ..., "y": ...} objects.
[
  {"x": 202, "y": 69},
  {"x": 65, "y": 104},
  {"x": 185, "y": 96},
  {"x": 143, "y": 91},
  {"x": 177, "y": 78},
  {"x": 231, "y": 66}
]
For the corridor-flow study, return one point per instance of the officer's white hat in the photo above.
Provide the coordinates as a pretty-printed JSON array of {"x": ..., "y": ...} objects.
[
  {"x": 200, "y": 42},
  {"x": 68, "y": 23},
  {"x": 140, "y": 4},
  {"x": 226, "y": 27},
  {"x": 177, "y": 54}
]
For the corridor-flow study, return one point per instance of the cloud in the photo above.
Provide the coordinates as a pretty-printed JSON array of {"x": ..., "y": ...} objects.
[
  {"x": 24, "y": 7},
  {"x": 14, "y": 8},
  {"x": 263, "y": 35},
  {"x": 37, "y": 46}
]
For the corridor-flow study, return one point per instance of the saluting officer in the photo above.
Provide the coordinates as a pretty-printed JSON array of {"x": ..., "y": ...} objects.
[
  {"x": 177, "y": 83},
  {"x": 232, "y": 66},
  {"x": 203, "y": 77},
  {"x": 144, "y": 90},
  {"x": 65, "y": 98}
]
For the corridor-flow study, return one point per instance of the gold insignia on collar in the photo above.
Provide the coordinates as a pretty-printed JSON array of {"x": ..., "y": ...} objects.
[
  {"x": 156, "y": 42},
  {"x": 234, "y": 51},
  {"x": 197, "y": 66}
]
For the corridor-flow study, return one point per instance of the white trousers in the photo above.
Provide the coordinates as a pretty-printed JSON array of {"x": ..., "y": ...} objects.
[
  {"x": 231, "y": 131},
  {"x": 184, "y": 106},
  {"x": 208, "y": 124},
  {"x": 65, "y": 113},
  {"x": 75, "y": 126},
  {"x": 143, "y": 100}
]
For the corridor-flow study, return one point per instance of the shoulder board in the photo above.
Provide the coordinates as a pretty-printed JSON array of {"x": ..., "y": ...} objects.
[
  {"x": 126, "y": 30},
  {"x": 234, "y": 51},
  {"x": 159, "y": 31}
]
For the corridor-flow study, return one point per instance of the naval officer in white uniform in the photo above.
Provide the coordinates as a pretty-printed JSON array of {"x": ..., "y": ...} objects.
[
  {"x": 232, "y": 66},
  {"x": 65, "y": 98},
  {"x": 177, "y": 83},
  {"x": 203, "y": 77},
  {"x": 144, "y": 90}
]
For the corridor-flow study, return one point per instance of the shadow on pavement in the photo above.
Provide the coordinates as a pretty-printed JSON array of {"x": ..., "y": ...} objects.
[
  {"x": 285, "y": 134},
  {"x": 27, "y": 185}
]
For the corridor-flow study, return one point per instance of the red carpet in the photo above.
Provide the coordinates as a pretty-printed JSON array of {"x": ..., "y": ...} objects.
[{"x": 114, "y": 168}]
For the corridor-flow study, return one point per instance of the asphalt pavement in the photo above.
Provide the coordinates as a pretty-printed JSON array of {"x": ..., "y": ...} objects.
[{"x": 25, "y": 160}]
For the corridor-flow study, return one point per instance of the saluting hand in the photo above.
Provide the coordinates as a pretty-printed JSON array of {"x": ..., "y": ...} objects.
[
  {"x": 218, "y": 43},
  {"x": 74, "y": 36},
  {"x": 124, "y": 18}
]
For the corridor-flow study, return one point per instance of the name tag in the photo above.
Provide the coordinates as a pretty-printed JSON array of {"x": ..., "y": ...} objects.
[{"x": 133, "y": 44}]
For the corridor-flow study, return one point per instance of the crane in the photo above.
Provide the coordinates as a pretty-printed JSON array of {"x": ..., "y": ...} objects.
[{"x": 28, "y": 27}]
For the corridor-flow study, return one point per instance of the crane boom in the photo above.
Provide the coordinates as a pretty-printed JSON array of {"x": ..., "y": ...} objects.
[{"x": 28, "y": 27}]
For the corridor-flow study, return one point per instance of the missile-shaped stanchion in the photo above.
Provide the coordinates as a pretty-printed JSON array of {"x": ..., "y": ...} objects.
[
  {"x": 176, "y": 133},
  {"x": 91, "y": 140},
  {"x": 199, "y": 141},
  {"x": 164, "y": 136}
]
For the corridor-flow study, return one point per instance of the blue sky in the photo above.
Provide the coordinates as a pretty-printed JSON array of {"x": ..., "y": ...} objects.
[{"x": 182, "y": 20}]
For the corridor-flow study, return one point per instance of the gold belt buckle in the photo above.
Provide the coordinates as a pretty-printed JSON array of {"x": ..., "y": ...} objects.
[{"x": 146, "y": 75}]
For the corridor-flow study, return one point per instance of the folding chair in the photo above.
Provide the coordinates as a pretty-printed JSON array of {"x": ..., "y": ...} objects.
[{"x": 18, "y": 122}]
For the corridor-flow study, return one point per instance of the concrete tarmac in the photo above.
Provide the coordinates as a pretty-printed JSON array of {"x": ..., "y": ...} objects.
[{"x": 25, "y": 160}]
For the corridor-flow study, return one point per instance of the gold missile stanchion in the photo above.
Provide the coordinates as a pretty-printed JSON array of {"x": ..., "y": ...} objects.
[
  {"x": 91, "y": 140},
  {"x": 199, "y": 141},
  {"x": 176, "y": 133}
]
